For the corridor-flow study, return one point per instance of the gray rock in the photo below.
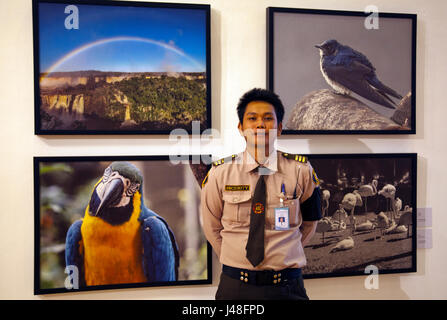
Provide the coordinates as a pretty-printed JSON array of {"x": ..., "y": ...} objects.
[
  {"x": 325, "y": 110},
  {"x": 402, "y": 115}
]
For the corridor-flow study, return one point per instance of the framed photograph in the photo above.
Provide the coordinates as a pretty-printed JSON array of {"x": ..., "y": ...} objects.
[
  {"x": 369, "y": 215},
  {"x": 121, "y": 67},
  {"x": 343, "y": 72},
  {"x": 118, "y": 222}
]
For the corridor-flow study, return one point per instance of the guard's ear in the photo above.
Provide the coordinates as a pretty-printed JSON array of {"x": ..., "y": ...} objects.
[
  {"x": 239, "y": 126},
  {"x": 279, "y": 129}
]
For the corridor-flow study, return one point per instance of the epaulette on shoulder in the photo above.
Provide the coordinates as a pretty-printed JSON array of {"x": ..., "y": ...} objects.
[
  {"x": 224, "y": 160},
  {"x": 296, "y": 157}
]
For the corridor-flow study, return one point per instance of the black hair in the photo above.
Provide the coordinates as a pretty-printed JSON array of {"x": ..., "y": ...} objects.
[{"x": 258, "y": 94}]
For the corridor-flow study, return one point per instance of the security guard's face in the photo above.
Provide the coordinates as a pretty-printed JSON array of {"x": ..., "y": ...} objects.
[{"x": 260, "y": 126}]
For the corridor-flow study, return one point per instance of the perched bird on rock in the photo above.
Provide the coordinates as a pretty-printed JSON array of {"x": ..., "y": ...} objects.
[
  {"x": 347, "y": 70},
  {"x": 120, "y": 240}
]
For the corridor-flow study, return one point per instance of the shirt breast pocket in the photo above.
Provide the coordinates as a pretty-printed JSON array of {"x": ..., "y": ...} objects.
[
  {"x": 237, "y": 208},
  {"x": 295, "y": 218}
]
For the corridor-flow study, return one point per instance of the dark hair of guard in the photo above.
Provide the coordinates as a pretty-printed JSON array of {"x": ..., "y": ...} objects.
[{"x": 258, "y": 94}]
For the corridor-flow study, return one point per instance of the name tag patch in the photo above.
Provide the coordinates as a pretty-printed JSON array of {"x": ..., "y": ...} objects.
[{"x": 244, "y": 187}]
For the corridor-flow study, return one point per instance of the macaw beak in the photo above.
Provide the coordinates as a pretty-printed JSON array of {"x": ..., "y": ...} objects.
[
  {"x": 112, "y": 195},
  {"x": 318, "y": 46}
]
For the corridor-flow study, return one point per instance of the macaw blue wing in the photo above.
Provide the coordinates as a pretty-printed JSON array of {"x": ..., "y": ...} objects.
[
  {"x": 160, "y": 251},
  {"x": 73, "y": 255}
]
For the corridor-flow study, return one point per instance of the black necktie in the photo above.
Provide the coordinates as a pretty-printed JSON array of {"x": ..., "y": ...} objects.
[{"x": 255, "y": 243}]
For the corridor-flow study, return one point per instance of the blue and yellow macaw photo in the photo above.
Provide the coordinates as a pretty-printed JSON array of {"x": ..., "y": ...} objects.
[{"x": 120, "y": 240}]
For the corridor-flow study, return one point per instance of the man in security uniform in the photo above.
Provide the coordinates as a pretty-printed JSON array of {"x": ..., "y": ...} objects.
[{"x": 260, "y": 208}]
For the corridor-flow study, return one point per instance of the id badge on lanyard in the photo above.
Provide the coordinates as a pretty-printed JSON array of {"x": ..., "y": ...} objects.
[{"x": 282, "y": 214}]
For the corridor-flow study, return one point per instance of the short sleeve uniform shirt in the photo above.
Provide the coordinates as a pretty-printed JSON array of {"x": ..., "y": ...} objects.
[{"x": 226, "y": 203}]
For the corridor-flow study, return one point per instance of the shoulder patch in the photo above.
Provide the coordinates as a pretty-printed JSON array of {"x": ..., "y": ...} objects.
[
  {"x": 206, "y": 179},
  {"x": 224, "y": 160},
  {"x": 296, "y": 157},
  {"x": 315, "y": 178}
]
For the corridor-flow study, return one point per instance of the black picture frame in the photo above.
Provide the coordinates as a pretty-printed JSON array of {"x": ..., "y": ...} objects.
[
  {"x": 54, "y": 214},
  {"x": 389, "y": 249},
  {"x": 107, "y": 93},
  {"x": 293, "y": 70}
]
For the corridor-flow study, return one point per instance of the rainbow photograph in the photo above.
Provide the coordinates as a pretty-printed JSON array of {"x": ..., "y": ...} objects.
[{"x": 113, "y": 67}]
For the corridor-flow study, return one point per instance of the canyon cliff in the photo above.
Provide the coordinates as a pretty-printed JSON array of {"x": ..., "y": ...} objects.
[{"x": 151, "y": 101}]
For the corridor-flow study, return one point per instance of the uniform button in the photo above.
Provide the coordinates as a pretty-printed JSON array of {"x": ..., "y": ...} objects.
[
  {"x": 246, "y": 274},
  {"x": 242, "y": 273},
  {"x": 279, "y": 274},
  {"x": 235, "y": 199},
  {"x": 275, "y": 281},
  {"x": 279, "y": 280},
  {"x": 275, "y": 276},
  {"x": 242, "y": 278},
  {"x": 246, "y": 280}
]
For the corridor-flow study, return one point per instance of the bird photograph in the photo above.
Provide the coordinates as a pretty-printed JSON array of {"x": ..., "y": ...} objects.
[
  {"x": 367, "y": 217},
  {"x": 333, "y": 74},
  {"x": 347, "y": 70},
  {"x": 119, "y": 223}
]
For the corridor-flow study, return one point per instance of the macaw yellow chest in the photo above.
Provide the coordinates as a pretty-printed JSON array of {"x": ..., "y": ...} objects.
[{"x": 112, "y": 254}]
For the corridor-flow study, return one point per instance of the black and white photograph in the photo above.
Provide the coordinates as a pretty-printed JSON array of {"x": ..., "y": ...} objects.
[
  {"x": 343, "y": 72},
  {"x": 368, "y": 206}
]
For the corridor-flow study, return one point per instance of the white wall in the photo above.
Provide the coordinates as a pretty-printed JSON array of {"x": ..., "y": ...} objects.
[{"x": 238, "y": 64}]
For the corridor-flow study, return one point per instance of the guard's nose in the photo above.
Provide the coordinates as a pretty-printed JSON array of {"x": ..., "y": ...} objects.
[{"x": 260, "y": 124}]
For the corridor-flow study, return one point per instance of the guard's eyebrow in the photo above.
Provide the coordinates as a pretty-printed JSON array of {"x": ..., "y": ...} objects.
[{"x": 255, "y": 113}]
